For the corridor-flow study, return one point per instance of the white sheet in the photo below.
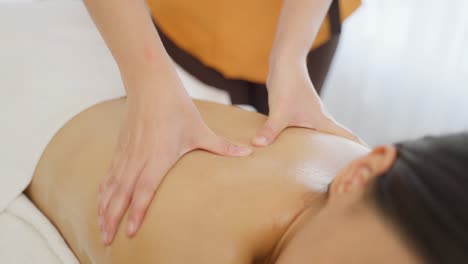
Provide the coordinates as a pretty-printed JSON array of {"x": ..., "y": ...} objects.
[
  {"x": 27, "y": 236},
  {"x": 53, "y": 65}
]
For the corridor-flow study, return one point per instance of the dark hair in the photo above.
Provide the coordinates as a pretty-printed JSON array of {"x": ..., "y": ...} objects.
[{"x": 425, "y": 194}]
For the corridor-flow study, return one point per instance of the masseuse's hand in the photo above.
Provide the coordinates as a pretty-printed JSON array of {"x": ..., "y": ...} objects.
[
  {"x": 157, "y": 130},
  {"x": 294, "y": 103}
]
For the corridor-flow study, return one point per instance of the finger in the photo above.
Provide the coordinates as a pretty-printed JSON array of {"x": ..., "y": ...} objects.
[
  {"x": 118, "y": 206},
  {"x": 224, "y": 147},
  {"x": 107, "y": 186},
  {"x": 268, "y": 132},
  {"x": 117, "y": 203},
  {"x": 144, "y": 191},
  {"x": 114, "y": 175},
  {"x": 107, "y": 189},
  {"x": 103, "y": 188}
]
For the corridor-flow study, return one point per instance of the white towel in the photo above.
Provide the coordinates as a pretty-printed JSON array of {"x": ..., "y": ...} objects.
[{"x": 27, "y": 236}]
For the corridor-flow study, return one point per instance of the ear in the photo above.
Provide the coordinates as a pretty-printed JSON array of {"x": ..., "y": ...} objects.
[{"x": 357, "y": 175}]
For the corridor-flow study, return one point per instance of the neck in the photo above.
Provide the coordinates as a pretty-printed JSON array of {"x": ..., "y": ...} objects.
[{"x": 309, "y": 212}]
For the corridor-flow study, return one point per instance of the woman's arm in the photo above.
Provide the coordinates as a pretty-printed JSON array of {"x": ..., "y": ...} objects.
[
  {"x": 299, "y": 23},
  {"x": 129, "y": 33},
  {"x": 292, "y": 97},
  {"x": 160, "y": 124}
]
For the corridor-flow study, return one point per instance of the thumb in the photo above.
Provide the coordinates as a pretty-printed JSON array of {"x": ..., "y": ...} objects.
[
  {"x": 268, "y": 132},
  {"x": 221, "y": 146}
]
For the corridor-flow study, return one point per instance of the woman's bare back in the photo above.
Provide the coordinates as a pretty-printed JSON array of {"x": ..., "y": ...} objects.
[{"x": 209, "y": 209}]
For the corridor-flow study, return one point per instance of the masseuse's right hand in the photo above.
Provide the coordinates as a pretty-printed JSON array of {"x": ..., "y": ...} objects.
[{"x": 158, "y": 129}]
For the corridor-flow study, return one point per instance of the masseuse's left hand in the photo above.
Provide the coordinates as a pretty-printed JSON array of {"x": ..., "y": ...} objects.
[{"x": 294, "y": 102}]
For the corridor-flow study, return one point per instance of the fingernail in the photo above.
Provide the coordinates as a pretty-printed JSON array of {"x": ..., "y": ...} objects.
[
  {"x": 340, "y": 189},
  {"x": 131, "y": 228},
  {"x": 243, "y": 151},
  {"x": 355, "y": 182},
  {"x": 260, "y": 141},
  {"x": 105, "y": 237}
]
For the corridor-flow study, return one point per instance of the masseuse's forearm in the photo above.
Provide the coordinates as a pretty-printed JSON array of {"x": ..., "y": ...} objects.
[
  {"x": 128, "y": 31},
  {"x": 299, "y": 23}
]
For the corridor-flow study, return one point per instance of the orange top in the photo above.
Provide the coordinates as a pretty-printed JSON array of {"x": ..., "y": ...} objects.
[{"x": 232, "y": 36}]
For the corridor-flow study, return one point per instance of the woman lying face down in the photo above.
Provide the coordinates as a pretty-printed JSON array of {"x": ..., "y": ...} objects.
[
  {"x": 396, "y": 204},
  {"x": 399, "y": 204}
]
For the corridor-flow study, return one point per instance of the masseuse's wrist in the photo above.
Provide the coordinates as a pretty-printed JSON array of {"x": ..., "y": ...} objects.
[
  {"x": 152, "y": 81},
  {"x": 283, "y": 67},
  {"x": 156, "y": 97},
  {"x": 285, "y": 55},
  {"x": 289, "y": 80}
]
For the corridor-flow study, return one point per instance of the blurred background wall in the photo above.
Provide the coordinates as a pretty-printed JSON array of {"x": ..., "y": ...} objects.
[{"x": 401, "y": 70}]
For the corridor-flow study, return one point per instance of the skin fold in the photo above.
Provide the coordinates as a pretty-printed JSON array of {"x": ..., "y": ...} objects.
[{"x": 214, "y": 209}]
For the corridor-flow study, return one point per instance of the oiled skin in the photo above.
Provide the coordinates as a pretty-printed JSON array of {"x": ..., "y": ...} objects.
[{"x": 209, "y": 209}]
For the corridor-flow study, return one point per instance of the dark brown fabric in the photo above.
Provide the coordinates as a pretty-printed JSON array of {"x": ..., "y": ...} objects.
[
  {"x": 320, "y": 60},
  {"x": 318, "y": 64},
  {"x": 335, "y": 18},
  {"x": 255, "y": 94}
]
